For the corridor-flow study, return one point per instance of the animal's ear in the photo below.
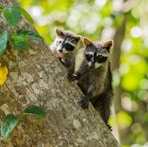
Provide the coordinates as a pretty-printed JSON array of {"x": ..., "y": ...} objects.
[
  {"x": 59, "y": 32},
  {"x": 86, "y": 41},
  {"x": 108, "y": 44}
]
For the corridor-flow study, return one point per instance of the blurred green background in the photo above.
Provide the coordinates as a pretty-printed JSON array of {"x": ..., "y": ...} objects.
[{"x": 124, "y": 21}]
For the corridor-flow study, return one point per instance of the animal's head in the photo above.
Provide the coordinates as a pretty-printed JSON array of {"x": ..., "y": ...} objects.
[
  {"x": 66, "y": 41},
  {"x": 97, "y": 53}
]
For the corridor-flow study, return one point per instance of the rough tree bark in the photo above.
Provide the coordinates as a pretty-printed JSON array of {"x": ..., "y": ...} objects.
[{"x": 37, "y": 77}]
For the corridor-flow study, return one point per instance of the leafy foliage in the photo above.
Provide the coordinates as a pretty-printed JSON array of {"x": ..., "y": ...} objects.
[
  {"x": 3, "y": 41},
  {"x": 29, "y": 34},
  {"x": 12, "y": 15},
  {"x": 19, "y": 41},
  {"x": 20, "y": 38},
  {"x": 36, "y": 110},
  {"x": 10, "y": 120},
  {"x": 8, "y": 124},
  {"x": 27, "y": 15}
]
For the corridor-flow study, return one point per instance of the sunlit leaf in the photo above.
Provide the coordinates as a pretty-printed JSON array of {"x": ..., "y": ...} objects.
[
  {"x": 30, "y": 34},
  {"x": 36, "y": 110},
  {"x": 3, "y": 74},
  {"x": 20, "y": 42},
  {"x": 3, "y": 41},
  {"x": 27, "y": 15},
  {"x": 8, "y": 124},
  {"x": 12, "y": 15},
  {"x": 124, "y": 120}
]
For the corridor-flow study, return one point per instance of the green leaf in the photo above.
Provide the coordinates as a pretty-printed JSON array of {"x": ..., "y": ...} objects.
[
  {"x": 1, "y": 8},
  {"x": 30, "y": 34},
  {"x": 8, "y": 124},
  {"x": 20, "y": 42},
  {"x": 12, "y": 15},
  {"x": 27, "y": 15},
  {"x": 3, "y": 41},
  {"x": 36, "y": 110}
]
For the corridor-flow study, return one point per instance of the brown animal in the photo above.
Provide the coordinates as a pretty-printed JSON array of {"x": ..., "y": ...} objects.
[
  {"x": 95, "y": 78},
  {"x": 65, "y": 47}
]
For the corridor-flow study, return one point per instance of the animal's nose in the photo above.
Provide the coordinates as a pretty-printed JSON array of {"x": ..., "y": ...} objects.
[
  {"x": 60, "y": 50},
  {"x": 92, "y": 65}
]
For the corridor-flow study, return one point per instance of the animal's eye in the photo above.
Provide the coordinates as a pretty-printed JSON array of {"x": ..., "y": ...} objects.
[
  {"x": 69, "y": 47},
  {"x": 101, "y": 59},
  {"x": 60, "y": 41},
  {"x": 88, "y": 57}
]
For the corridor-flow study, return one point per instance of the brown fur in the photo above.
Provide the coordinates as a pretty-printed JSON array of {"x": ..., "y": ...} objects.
[
  {"x": 66, "y": 58},
  {"x": 96, "y": 83}
]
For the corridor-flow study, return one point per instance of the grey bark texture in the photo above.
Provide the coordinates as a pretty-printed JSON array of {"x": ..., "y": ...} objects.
[{"x": 37, "y": 77}]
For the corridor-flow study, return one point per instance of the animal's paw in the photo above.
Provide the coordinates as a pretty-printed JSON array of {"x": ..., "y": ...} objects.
[
  {"x": 83, "y": 103},
  {"x": 73, "y": 77},
  {"x": 110, "y": 127}
]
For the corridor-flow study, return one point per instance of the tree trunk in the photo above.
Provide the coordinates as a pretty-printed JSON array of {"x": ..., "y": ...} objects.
[
  {"x": 37, "y": 77},
  {"x": 118, "y": 37}
]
